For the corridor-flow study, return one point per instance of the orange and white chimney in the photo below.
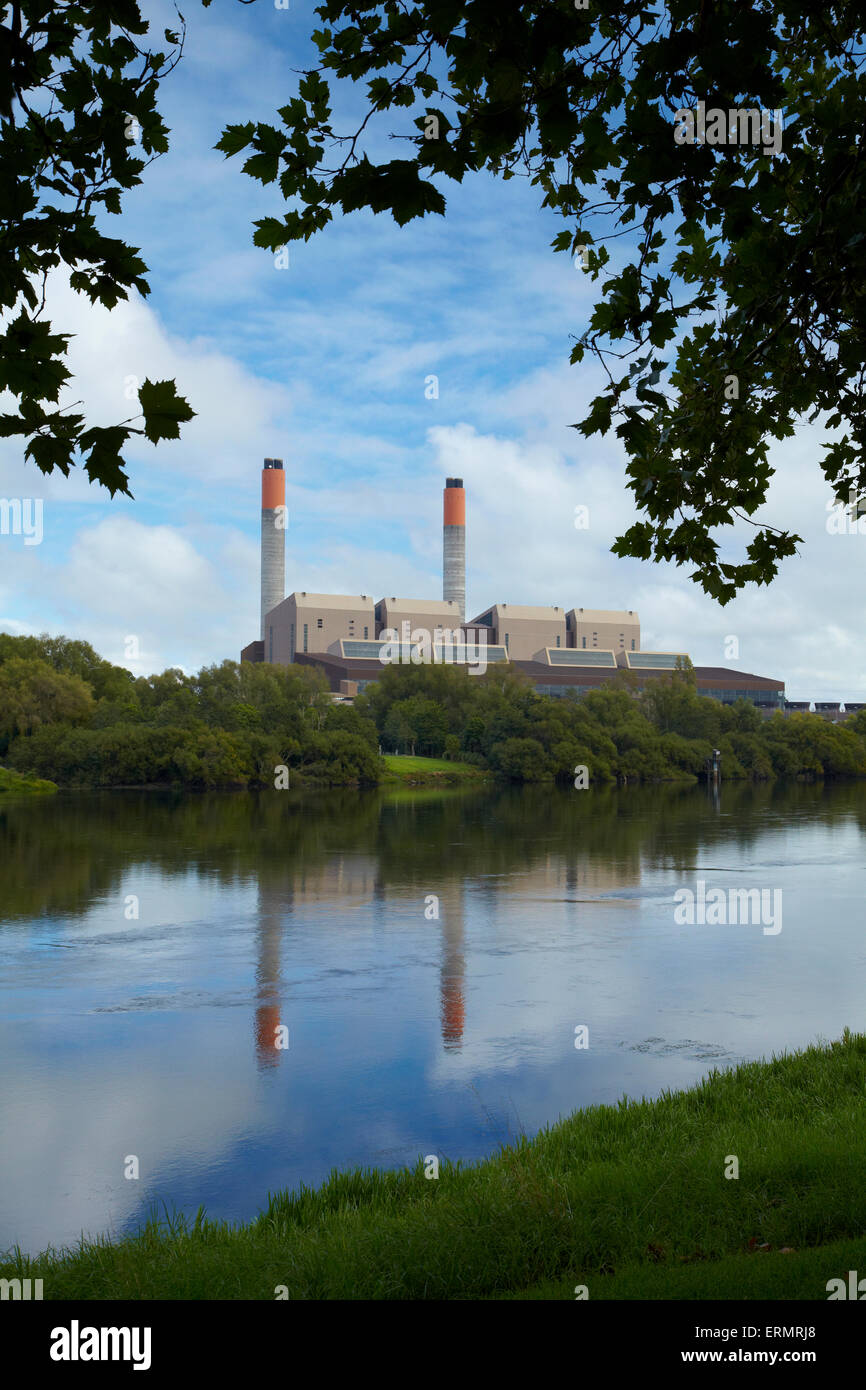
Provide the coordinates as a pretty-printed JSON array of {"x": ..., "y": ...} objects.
[
  {"x": 273, "y": 537},
  {"x": 454, "y": 544}
]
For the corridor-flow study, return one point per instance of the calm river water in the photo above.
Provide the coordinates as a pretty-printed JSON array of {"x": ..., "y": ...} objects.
[{"x": 310, "y": 919}]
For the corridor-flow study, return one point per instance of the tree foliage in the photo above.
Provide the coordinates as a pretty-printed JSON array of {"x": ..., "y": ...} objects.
[
  {"x": 63, "y": 708},
  {"x": 732, "y": 306},
  {"x": 78, "y": 125},
  {"x": 32, "y": 693},
  {"x": 68, "y": 715},
  {"x": 665, "y": 732}
]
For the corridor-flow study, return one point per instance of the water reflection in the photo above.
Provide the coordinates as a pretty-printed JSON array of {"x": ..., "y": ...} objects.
[
  {"x": 273, "y": 906},
  {"x": 453, "y": 968},
  {"x": 407, "y": 1034}
]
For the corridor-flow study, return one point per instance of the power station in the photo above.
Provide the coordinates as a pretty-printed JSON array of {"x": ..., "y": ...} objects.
[{"x": 562, "y": 651}]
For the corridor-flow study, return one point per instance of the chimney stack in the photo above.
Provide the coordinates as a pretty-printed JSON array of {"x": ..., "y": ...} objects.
[
  {"x": 273, "y": 538},
  {"x": 454, "y": 544}
]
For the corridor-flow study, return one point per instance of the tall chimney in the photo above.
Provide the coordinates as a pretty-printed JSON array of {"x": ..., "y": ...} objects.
[
  {"x": 273, "y": 538},
  {"x": 454, "y": 544}
]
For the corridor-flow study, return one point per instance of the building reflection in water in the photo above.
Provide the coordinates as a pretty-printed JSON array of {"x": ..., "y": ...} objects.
[
  {"x": 350, "y": 881},
  {"x": 356, "y": 881}
]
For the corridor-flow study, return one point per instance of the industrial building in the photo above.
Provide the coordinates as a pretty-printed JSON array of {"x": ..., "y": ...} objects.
[{"x": 563, "y": 651}]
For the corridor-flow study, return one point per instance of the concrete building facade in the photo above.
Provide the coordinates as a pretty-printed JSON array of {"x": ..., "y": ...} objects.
[
  {"x": 604, "y": 629},
  {"x": 424, "y": 613},
  {"x": 312, "y": 622},
  {"x": 522, "y": 629}
]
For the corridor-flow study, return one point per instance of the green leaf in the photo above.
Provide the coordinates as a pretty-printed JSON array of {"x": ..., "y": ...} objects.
[
  {"x": 270, "y": 233},
  {"x": 104, "y": 462},
  {"x": 49, "y": 452},
  {"x": 263, "y": 167},
  {"x": 235, "y": 138},
  {"x": 163, "y": 409}
]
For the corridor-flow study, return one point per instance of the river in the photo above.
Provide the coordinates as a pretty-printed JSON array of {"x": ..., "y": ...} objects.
[{"x": 229, "y": 994}]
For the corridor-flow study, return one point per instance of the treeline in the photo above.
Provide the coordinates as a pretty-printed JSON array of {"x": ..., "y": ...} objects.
[
  {"x": 70, "y": 716},
  {"x": 666, "y": 732}
]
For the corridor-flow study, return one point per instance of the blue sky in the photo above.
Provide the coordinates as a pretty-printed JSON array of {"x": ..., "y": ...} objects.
[{"x": 324, "y": 364}]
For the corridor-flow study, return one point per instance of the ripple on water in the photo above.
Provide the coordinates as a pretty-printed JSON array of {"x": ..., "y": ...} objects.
[{"x": 684, "y": 1047}]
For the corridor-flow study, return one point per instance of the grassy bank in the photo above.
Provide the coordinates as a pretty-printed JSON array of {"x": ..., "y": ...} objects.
[
  {"x": 630, "y": 1200},
  {"x": 14, "y": 783},
  {"x": 430, "y": 771}
]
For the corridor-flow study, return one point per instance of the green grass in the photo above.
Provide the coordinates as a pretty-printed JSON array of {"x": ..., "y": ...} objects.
[
  {"x": 800, "y": 1275},
  {"x": 17, "y": 783},
  {"x": 430, "y": 770},
  {"x": 629, "y": 1199}
]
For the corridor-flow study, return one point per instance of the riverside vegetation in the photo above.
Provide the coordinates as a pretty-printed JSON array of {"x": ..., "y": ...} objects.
[
  {"x": 616, "y": 1201},
  {"x": 70, "y": 716},
  {"x": 14, "y": 784}
]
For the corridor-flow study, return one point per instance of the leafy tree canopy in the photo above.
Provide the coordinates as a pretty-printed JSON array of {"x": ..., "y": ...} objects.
[
  {"x": 32, "y": 693},
  {"x": 731, "y": 305},
  {"x": 78, "y": 124}
]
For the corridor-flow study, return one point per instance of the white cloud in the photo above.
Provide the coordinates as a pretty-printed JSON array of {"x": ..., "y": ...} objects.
[{"x": 123, "y": 579}]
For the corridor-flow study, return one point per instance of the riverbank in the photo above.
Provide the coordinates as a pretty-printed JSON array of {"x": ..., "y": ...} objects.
[
  {"x": 15, "y": 784},
  {"x": 404, "y": 770},
  {"x": 626, "y": 1201}
]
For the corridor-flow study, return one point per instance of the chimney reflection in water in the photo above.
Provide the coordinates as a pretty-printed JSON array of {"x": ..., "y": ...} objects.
[
  {"x": 273, "y": 902},
  {"x": 275, "y": 899},
  {"x": 453, "y": 966}
]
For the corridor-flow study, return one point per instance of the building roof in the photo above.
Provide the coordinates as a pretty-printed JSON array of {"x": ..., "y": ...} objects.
[
  {"x": 712, "y": 677},
  {"x": 306, "y": 600},
  {"x": 592, "y": 657},
  {"x": 604, "y": 615},
  {"x": 725, "y": 678},
  {"x": 423, "y": 605},
  {"x": 543, "y": 674},
  {"x": 523, "y": 611},
  {"x": 707, "y": 677},
  {"x": 461, "y": 653},
  {"x": 660, "y": 661}
]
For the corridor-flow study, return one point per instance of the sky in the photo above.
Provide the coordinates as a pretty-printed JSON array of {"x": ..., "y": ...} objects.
[{"x": 325, "y": 363}]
